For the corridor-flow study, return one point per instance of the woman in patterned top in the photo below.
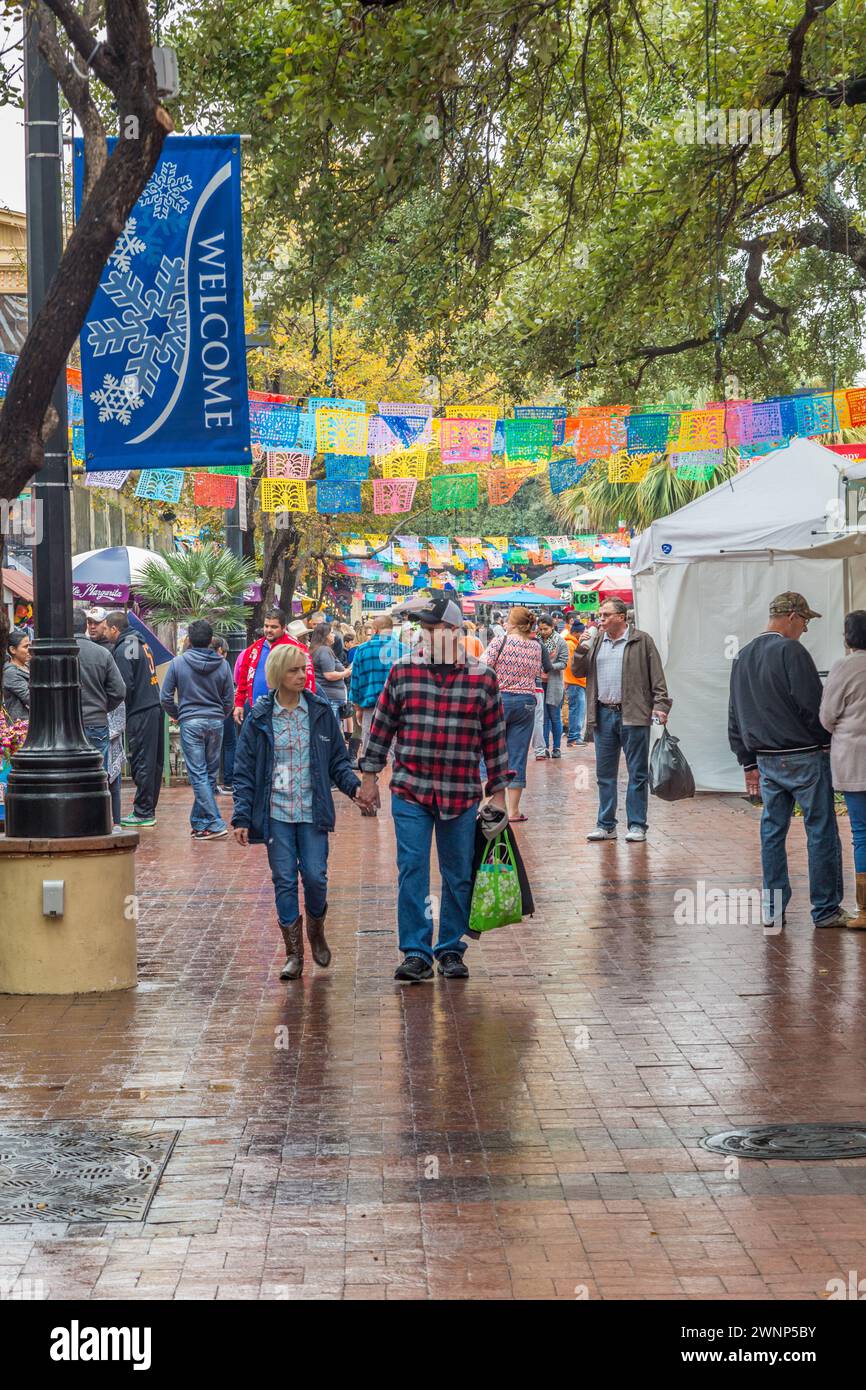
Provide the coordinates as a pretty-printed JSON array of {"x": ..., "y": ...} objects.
[{"x": 516, "y": 659}]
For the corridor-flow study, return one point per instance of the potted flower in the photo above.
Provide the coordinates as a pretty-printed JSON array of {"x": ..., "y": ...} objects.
[{"x": 12, "y": 737}]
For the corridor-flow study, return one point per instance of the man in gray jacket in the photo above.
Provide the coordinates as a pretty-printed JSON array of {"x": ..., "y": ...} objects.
[
  {"x": 102, "y": 685},
  {"x": 625, "y": 691},
  {"x": 199, "y": 692}
]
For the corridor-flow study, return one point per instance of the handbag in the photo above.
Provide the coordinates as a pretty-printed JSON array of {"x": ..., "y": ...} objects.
[{"x": 496, "y": 897}]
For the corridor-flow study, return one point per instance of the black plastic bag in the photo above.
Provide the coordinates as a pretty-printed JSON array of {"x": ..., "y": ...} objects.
[
  {"x": 482, "y": 844},
  {"x": 670, "y": 776}
]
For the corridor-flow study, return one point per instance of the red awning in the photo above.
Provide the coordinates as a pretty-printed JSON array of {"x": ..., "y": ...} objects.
[{"x": 20, "y": 584}]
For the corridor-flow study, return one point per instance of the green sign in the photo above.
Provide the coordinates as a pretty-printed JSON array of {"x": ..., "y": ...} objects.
[{"x": 585, "y": 601}]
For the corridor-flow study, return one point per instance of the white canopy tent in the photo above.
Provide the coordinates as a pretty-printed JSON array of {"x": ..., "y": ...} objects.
[{"x": 704, "y": 576}]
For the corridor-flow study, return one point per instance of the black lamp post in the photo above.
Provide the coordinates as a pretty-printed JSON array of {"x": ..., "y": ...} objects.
[{"x": 57, "y": 785}]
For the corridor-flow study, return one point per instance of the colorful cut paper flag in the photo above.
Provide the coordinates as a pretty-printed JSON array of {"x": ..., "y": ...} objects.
[
  {"x": 274, "y": 426},
  {"x": 284, "y": 495},
  {"x": 345, "y": 468},
  {"x": 628, "y": 468},
  {"x": 234, "y": 470},
  {"x": 335, "y": 403},
  {"x": 411, "y": 464},
  {"x": 473, "y": 412},
  {"x": 113, "y": 479},
  {"x": 566, "y": 473},
  {"x": 209, "y": 490},
  {"x": 529, "y": 439},
  {"x": 696, "y": 472},
  {"x": 701, "y": 429},
  {"x": 857, "y": 406},
  {"x": 381, "y": 439},
  {"x": 160, "y": 484},
  {"x": 393, "y": 495},
  {"x": 710, "y": 459},
  {"x": 281, "y": 464},
  {"x": 456, "y": 490},
  {"x": 466, "y": 441},
  {"x": 338, "y": 497},
  {"x": 409, "y": 429},
  {"x": 503, "y": 483},
  {"x": 405, "y": 408},
  {"x": 646, "y": 433},
  {"x": 341, "y": 432},
  {"x": 816, "y": 414}
]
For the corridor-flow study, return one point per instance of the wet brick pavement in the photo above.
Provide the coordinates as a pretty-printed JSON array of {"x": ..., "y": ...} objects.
[{"x": 529, "y": 1133}]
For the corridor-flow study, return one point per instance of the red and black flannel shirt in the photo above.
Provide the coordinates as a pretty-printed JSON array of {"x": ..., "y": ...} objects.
[{"x": 442, "y": 719}]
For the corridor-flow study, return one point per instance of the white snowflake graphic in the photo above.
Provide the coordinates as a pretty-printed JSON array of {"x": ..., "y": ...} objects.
[
  {"x": 115, "y": 400},
  {"x": 126, "y": 246},
  {"x": 164, "y": 192},
  {"x": 152, "y": 326}
]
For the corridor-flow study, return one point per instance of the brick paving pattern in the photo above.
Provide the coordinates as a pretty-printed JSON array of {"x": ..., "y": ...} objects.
[{"x": 530, "y": 1133}]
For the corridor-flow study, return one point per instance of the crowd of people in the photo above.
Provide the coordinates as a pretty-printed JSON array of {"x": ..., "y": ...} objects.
[{"x": 313, "y": 705}]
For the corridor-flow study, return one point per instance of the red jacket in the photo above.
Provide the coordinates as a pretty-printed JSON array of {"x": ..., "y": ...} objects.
[{"x": 250, "y": 660}]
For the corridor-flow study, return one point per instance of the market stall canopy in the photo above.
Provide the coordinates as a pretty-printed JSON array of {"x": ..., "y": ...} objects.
[
  {"x": 18, "y": 583},
  {"x": 777, "y": 505},
  {"x": 610, "y": 579},
  {"x": 528, "y": 597},
  {"x": 108, "y": 575}
]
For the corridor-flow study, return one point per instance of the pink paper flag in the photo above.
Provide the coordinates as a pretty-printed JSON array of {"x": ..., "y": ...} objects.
[{"x": 393, "y": 495}]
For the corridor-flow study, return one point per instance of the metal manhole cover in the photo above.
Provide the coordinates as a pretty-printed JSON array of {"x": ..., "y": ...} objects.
[
  {"x": 790, "y": 1141},
  {"x": 72, "y": 1175}
]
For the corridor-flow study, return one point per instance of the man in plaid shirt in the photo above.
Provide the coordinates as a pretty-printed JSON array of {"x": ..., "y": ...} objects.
[{"x": 443, "y": 716}]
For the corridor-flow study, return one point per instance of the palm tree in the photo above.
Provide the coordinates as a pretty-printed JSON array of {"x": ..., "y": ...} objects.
[
  {"x": 206, "y": 583},
  {"x": 636, "y": 504}
]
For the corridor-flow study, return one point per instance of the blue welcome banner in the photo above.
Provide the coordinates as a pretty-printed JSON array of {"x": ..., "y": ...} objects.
[{"x": 163, "y": 352}]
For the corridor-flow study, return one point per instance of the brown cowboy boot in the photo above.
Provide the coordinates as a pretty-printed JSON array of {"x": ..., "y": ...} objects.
[
  {"x": 858, "y": 923},
  {"x": 316, "y": 938},
  {"x": 293, "y": 936}
]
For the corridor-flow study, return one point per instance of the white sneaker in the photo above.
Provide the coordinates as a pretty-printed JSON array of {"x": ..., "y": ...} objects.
[
  {"x": 636, "y": 832},
  {"x": 601, "y": 834}
]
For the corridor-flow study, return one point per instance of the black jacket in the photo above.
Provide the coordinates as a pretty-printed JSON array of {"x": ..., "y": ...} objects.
[
  {"x": 135, "y": 663},
  {"x": 254, "y": 766},
  {"x": 775, "y": 697},
  {"x": 102, "y": 686}
]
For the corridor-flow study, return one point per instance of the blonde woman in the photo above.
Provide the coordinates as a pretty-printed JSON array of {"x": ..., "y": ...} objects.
[
  {"x": 516, "y": 659},
  {"x": 289, "y": 753}
]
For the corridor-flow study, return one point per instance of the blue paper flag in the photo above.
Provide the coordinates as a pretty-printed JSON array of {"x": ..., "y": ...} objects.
[
  {"x": 566, "y": 473},
  {"x": 345, "y": 467},
  {"x": 338, "y": 497}
]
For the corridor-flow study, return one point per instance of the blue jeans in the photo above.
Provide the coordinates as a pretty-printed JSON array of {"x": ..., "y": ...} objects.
[
  {"x": 519, "y": 711},
  {"x": 804, "y": 778},
  {"x": 98, "y": 736},
  {"x": 230, "y": 743},
  {"x": 294, "y": 848},
  {"x": 576, "y": 696},
  {"x": 856, "y": 803},
  {"x": 611, "y": 735},
  {"x": 553, "y": 725},
  {"x": 455, "y": 848},
  {"x": 200, "y": 740}
]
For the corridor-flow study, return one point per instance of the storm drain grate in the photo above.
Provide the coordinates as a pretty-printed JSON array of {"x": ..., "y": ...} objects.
[
  {"x": 65, "y": 1174},
  {"x": 806, "y": 1142}
]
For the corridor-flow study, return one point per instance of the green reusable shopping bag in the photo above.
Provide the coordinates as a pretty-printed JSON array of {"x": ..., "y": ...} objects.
[{"x": 496, "y": 899}]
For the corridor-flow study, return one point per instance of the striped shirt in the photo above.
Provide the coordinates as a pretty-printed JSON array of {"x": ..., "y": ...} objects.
[
  {"x": 608, "y": 669},
  {"x": 517, "y": 663},
  {"x": 292, "y": 786}
]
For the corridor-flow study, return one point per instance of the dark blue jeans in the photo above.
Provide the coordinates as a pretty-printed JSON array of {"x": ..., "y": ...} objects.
[
  {"x": 296, "y": 847},
  {"x": 553, "y": 725},
  {"x": 519, "y": 711},
  {"x": 856, "y": 803},
  {"x": 230, "y": 743},
  {"x": 576, "y": 696},
  {"x": 414, "y": 827},
  {"x": 200, "y": 740},
  {"x": 804, "y": 778},
  {"x": 611, "y": 735}
]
